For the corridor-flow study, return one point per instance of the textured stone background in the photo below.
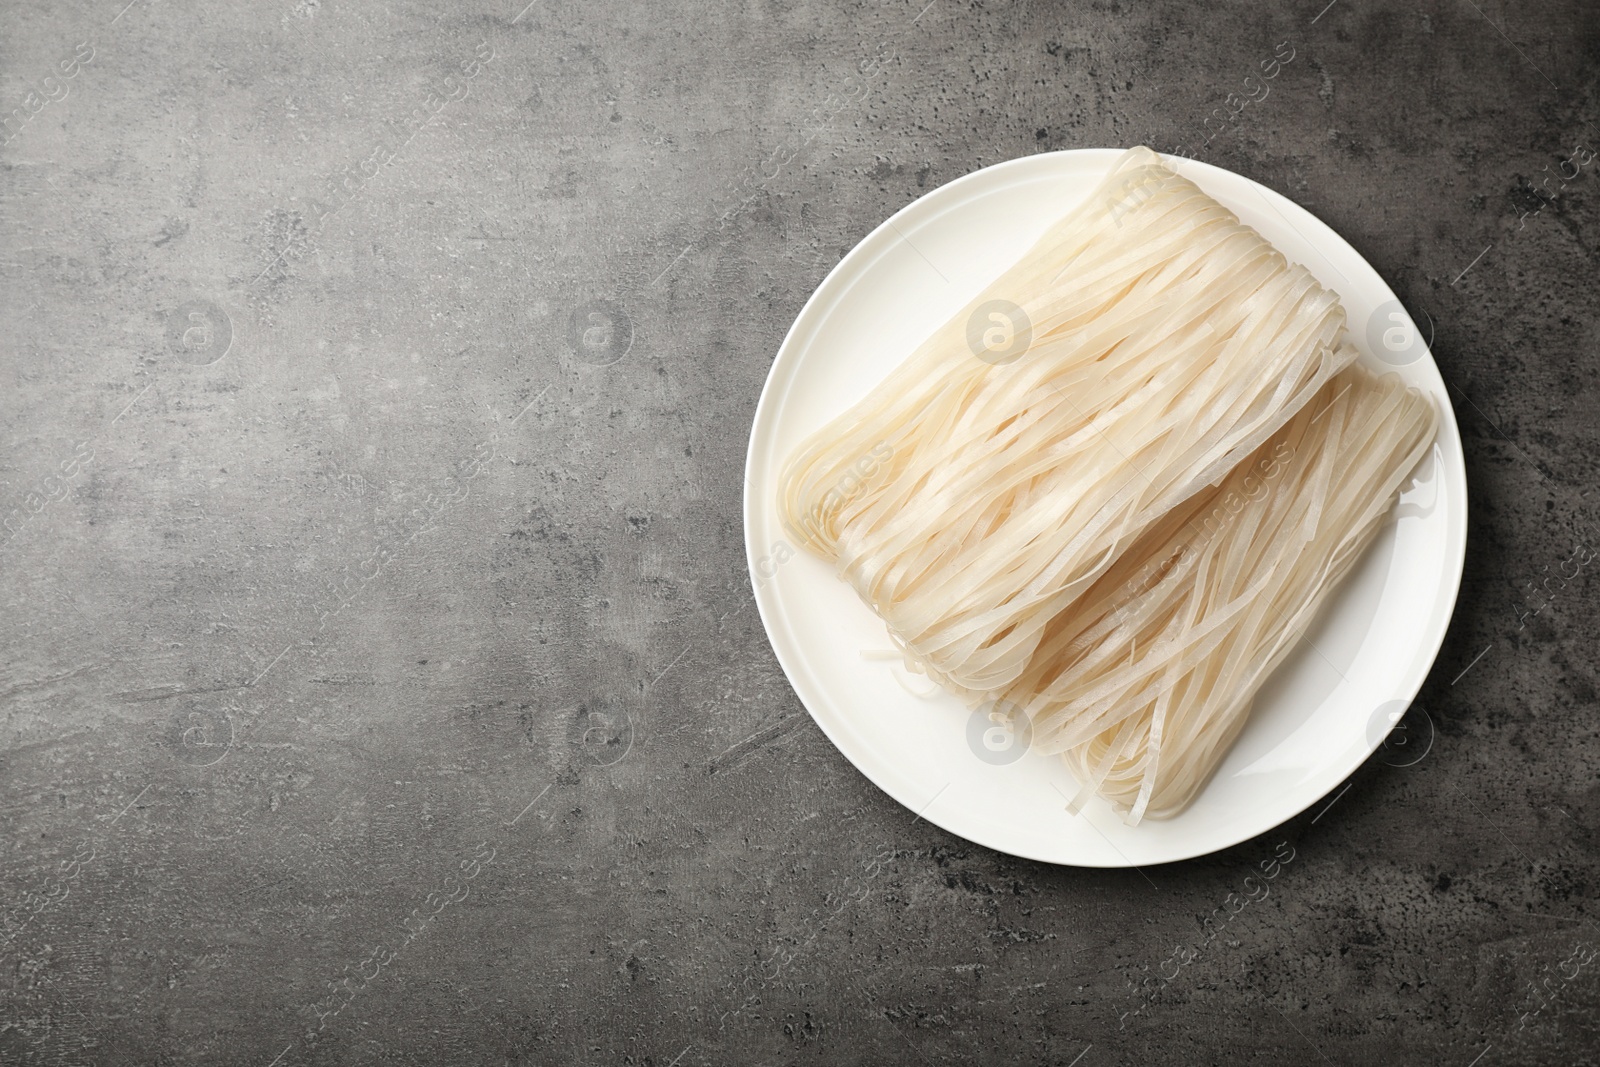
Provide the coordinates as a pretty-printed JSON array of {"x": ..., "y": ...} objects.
[{"x": 380, "y": 683}]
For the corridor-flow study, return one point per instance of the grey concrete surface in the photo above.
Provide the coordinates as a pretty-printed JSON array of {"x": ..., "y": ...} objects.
[{"x": 381, "y": 684}]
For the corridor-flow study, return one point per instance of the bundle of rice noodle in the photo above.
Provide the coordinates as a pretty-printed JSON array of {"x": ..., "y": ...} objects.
[
  {"x": 1144, "y": 683},
  {"x": 1169, "y": 341}
]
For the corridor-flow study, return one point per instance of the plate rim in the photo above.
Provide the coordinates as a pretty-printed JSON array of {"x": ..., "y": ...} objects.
[{"x": 850, "y": 269}]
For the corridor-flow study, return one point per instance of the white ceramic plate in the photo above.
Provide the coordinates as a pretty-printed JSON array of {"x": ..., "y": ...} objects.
[{"x": 1323, "y": 712}]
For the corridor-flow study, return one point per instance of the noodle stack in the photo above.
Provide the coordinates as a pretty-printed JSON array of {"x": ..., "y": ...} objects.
[
  {"x": 1174, "y": 343},
  {"x": 1144, "y": 684}
]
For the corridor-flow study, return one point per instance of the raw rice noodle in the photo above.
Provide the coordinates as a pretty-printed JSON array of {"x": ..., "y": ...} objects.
[
  {"x": 1144, "y": 684},
  {"x": 1173, "y": 343}
]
